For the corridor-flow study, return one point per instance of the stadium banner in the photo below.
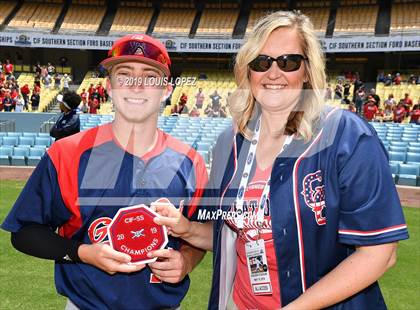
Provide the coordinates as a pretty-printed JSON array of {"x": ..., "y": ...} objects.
[{"x": 348, "y": 44}]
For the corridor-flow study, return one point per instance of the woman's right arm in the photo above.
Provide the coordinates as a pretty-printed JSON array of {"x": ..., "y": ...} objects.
[{"x": 197, "y": 234}]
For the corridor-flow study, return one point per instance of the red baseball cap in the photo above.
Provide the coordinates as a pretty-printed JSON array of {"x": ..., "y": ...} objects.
[{"x": 141, "y": 48}]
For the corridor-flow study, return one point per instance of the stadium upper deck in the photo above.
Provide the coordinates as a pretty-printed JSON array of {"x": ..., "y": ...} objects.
[{"x": 205, "y": 18}]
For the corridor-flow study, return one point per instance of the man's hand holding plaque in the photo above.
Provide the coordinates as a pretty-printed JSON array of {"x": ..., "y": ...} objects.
[{"x": 133, "y": 232}]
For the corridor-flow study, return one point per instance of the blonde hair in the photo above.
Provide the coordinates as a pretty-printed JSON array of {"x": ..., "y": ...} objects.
[{"x": 242, "y": 104}]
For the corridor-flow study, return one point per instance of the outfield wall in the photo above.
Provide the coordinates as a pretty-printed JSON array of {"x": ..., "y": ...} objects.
[
  {"x": 26, "y": 122},
  {"x": 409, "y": 196}
]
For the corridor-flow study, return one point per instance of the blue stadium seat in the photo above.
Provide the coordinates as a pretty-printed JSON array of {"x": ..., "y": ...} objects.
[
  {"x": 29, "y": 134},
  {"x": 394, "y": 169},
  {"x": 19, "y": 156},
  {"x": 12, "y": 141},
  {"x": 413, "y": 157},
  {"x": 411, "y": 130},
  {"x": 5, "y": 153},
  {"x": 43, "y": 141},
  {"x": 203, "y": 146},
  {"x": 14, "y": 134},
  {"x": 397, "y": 156},
  {"x": 405, "y": 139},
  {"x": 43, "y": 134},
  {"x": 398, "y": 148},
  {"x": 408, "y": 174},
  {"x": 26, "y": 141},
  {"x": 3, "y": 134},
  {"x": 398, "y": 143},
  {"x": 414, "y": 144},
  {"x": 210, "y": 140},
  {"x": 414, "y": 149},
  {"x": 34, "y": 156}
]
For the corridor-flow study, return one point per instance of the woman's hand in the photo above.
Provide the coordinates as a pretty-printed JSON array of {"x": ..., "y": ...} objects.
[{"x": 177, "y": 224}]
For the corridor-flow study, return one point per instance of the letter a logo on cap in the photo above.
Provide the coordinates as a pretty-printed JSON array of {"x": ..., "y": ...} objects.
[{"x": 139, "y": 51}]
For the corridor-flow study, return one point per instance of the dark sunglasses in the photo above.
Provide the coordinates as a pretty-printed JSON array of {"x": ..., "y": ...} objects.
[{"x": 286, "y": 63}]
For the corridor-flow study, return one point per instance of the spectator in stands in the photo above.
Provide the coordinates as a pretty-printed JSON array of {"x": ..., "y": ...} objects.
[
  {"x": 360, "y": 99},
  {"x": 208, "y": 111},
  {"x": 25, "y": 94},
  {"x": 37, "y": 88},
  {"x": 375, "y": 96},
  {"x": 415, "y": 114},
  {"x": 346, "y": 87},
  {"x": 357, "y": 85},
  {"x": 8, "y": 102},
  {"x": 389, "y": 106},
  {"x": 220, "y": 112},
  {"x": 180, "y": 108},
  {"x": 397, "y": 79},
  {"x": 38, "y": 69},
  {"x": 94, "y": 105},
  {"x": 328, "y": 92},
  {"x": 399, "y": 112},
  {"x": 19, "y": 103},
  {"x": 381, "y": 77},
  {"x": 50, "y": 69},
  {"x": 408, "y": 103},
  {"x": 370, "y": 109},
  {"x": 390, "y": 102},
  {"x": 84, "y": 95},
  {"x": 379, "y": 116},
  {"x": 66, "y": 80},
  {"x": 35, "y": 100},
  {"x": 91, "y": 90},
  {"x": 352, "y": 108},
  {"x": 68, "y": 123},
  {"x": 199, "y": 98},
  {"x": 8, "y": 68},
  {"x": 47, "y": 81},
  {"x": 194, "y": 112},
  {"x": 57, "y": 81},
  {"x": 215, "y": 100},
  {"x": 101, "y": 92},
  {"x": 44, "y": 72},
  {"x": 96, "y": 95},
  {"x": 14, "y": 90},
  {"x": 183, "y": 99},
  {"x": 338, "y": 91},
  {"x": 388, "y": 80},
  {"x": 84, "y": 107},
  {"x": 37, "y": 81}
]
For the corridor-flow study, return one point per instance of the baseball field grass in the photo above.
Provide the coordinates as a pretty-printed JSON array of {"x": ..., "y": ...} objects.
[{"x": 28, "y": 283}]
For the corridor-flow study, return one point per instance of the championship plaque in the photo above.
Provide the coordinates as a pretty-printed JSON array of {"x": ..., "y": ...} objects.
[{"x": 132, "y": 231}]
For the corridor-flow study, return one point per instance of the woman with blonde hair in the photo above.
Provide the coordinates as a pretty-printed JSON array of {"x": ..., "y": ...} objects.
[{"x": 301, "y": 208}]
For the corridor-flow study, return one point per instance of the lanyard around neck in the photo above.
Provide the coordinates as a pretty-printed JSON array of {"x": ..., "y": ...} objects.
[{"x": 252, "y": 152}]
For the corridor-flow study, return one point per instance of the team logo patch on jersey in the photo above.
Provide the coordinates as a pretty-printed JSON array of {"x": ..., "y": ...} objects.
[
  {"x": 314, "y": 195},
  {"x": 98, "y": 229}
]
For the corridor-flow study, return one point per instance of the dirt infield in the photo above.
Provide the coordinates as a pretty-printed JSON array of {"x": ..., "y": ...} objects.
[
  {"x": 409, "y": 196},
  {"x": 15, "y": 173}
]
